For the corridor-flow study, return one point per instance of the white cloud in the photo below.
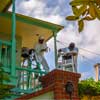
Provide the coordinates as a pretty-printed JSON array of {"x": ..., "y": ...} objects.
[
  {"x": 90, "y": 38},
  {"x": 38, "y": 9},
  {"x": 51, "y": 18},
  {"x": 65, "y": 36},
  {"x": 27, "y": 7}
]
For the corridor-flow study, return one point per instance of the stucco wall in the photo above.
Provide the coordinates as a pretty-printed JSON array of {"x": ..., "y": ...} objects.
[{"x": 45, "y": 96}]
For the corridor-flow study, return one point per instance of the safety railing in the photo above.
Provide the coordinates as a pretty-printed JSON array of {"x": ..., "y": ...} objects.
[
  {"x": 29, "y": 79},
  {"x": 5, "y": 55}
]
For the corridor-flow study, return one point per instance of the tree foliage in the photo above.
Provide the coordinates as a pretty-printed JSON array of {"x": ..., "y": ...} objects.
[
  {"x": 89, "y": 87},
  {"x": 84, "y": 10}
]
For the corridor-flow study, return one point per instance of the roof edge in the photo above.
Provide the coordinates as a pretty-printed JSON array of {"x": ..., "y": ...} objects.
[{"x": 29, "y": 20}]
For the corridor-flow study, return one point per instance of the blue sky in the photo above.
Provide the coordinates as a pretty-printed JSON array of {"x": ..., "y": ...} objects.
[{"x": 55, "y": 11}]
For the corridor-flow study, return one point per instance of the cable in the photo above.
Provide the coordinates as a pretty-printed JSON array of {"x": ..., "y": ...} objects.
[
  {"x": 92, "y": 61},
  {"x": 61, "y": 42},
  {"x": 90, "y": 51},
  {"x": 81, "y": 48},
  {"x": 89, "y": 61}
]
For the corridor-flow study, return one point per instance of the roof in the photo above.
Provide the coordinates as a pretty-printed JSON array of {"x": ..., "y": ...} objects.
[
  {"x": 4, "y": 5},
  {"x": 28, "y": 28}
]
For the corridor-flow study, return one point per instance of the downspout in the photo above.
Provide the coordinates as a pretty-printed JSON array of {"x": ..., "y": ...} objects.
[{"x": 13, "y": 44}]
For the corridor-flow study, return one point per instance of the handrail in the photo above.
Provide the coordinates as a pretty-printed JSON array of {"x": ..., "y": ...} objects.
[
  {"x": 5, "y": 42},
  {"x": 31, "y": 70}
]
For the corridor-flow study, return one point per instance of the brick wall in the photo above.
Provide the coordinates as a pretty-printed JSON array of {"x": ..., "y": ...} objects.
[{"x": 58, "y": 79}]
